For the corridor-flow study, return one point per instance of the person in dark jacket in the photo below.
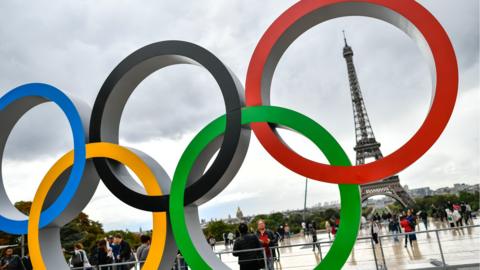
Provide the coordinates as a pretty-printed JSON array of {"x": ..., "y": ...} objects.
[
  {"x": 424, "y": 216},
  {"x": 394, "y": 228},
  {"x": 102, "y": 254},
  {"x": 313, "y": 232},
  {"x": 10, "y": 261},
  {"x": 27, "y": 262},
  {"x": 248, "y": 260},
  {"x": 125, "y": 254}
]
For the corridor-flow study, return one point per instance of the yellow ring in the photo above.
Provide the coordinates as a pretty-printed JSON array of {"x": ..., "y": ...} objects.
[{"x": 105, "y": 150}]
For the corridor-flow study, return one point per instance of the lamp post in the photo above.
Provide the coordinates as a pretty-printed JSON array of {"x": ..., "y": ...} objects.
[{"x": 305, "y": 200}]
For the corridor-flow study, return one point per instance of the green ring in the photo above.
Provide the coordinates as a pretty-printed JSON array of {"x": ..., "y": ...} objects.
[{"x": 349, "y": 193}]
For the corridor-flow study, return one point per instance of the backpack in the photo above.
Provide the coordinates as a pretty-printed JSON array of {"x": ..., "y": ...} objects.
[
  {"x": 93, "y": 259},
  {"x": 412, "y": 223},
  {"x": 77, "y": 259}
]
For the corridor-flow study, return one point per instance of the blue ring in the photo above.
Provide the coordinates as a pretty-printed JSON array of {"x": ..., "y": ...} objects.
[{"x": 53, "y": 94}]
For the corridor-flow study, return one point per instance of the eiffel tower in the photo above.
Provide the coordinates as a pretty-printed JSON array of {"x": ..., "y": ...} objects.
[{"x": 367, "y": 146}]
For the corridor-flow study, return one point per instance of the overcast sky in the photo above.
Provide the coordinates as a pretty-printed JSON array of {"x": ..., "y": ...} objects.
[{"x": 74, "y": 45}]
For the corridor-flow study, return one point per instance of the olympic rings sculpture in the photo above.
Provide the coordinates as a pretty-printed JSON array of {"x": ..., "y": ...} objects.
[{"x": 72, "y": 180}]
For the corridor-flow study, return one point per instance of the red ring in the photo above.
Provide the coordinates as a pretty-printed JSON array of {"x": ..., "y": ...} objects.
[{"x": 440, "y": 111}]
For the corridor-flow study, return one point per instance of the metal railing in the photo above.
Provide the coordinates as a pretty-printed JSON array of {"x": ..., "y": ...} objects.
[
  {"x": 443, "y": 262},
  {"x": 264, "y": 254},
  {"x": 379, "y": 260},
  {"x": 113, "y": 266}
]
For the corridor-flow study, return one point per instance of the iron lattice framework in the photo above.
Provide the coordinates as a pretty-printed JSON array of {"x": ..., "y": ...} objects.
[{"x": 366, "y": 144}]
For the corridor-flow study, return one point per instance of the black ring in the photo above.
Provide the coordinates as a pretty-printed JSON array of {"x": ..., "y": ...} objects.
[{"x": 111, "y": 100}]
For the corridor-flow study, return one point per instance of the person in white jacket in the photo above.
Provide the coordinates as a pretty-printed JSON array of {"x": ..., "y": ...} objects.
[{"x": 450, "y": 219}]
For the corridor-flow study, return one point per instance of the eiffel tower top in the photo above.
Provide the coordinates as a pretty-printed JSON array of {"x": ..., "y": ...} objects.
[
  {"x": 367, "y": 146},
  {"x": 347, "y": 50}
]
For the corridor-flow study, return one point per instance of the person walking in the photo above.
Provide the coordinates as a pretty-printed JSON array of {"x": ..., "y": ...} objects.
[
  {"x": 313, "y": 232},
  {"x": 412, "y": 220},
  {"x": 334, "y": 227},
  {"x": 468, "y": 213},
  {"x": 281, "y": 233},
  {"x": 10, "y": 261},
  {"x": 407, "y": 228},
  {"x": 394, "y": 227},
  {"x": 450, "y": 219},
  {"x": 328, "y": 229},
  {"x": 463, "y": 210},
  {"x": 248, "y": 260},
  {"x": 225, "y": 239},
  {"x": 212, "y": 241},
  {"x": 276, "y": 249},
  {"x": 267, "y": 240},
  {"x": 287, "y": 230},
  {"x": 231, "y": 237},
  {"x": 424, "y": 216},
  {"x": 374, "y": 229},
  {"x": 457, "y": 217}
]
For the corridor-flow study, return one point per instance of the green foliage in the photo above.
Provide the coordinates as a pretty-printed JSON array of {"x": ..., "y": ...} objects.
[
  {"x": 80, "y": 230},
  {"x": 217, "y": 228},
  {"x": 439, "y": 201},
  {"x": 295, "y": 219},
  {"x": 395, "y": 208}
]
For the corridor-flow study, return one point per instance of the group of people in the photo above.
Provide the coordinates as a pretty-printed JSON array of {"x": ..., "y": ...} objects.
[
  {"x": 11, "y": 261},
  {"x": 113, "y": 249},
  {"x": 229, "y": 238},
  {"x": 406, "y": 222},
  {"x": 331, "y": 227},
  {"x": 248, "y": 247},
  {"x": 457, "y": 214}
]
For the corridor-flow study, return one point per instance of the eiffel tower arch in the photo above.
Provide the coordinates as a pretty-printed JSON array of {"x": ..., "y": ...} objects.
[
  {"x": 366, "y": 143},
  {"x": 389, "y": 187}
]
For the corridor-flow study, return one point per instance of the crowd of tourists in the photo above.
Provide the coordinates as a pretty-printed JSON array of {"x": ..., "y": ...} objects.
[
  {"x": 112, "y": 249},
  {"x": 455, "y": 214},
  {"x": 255, "y": 248},
  {"x": 396, "y": 224}
]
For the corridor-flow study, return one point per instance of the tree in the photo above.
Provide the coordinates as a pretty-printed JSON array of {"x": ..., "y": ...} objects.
[
  {"x": 79, "y": 230},
  {"x": 218, "y": 228}
]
